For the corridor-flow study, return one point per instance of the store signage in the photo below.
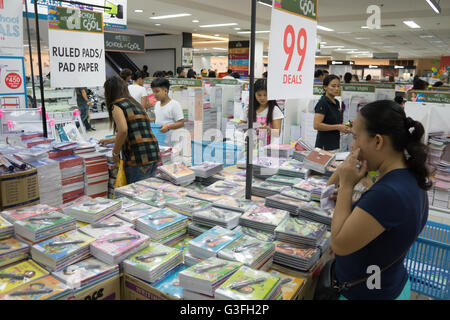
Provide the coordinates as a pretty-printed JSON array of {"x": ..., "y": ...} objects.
[
  {"x": 11, "y": 28},
  {"x": 222, "y": 81},
  {"x": 76, "y": 48},
  {"x": 292, "y": 49},
  {"x": 358, "y": 88},
  {"x": 186, "y": 82},
  {"x": 385, "y": 55},
  {"x": 239, "y": 57},
  {"x": 381, "y": 85},
  {"x": 430, "y": 97},
  {"x": 13, "y": 94},
  {"x": 123, "y": 42},
  {"x": 318, "y": 90},
  {"x": 188, "y": 57}
]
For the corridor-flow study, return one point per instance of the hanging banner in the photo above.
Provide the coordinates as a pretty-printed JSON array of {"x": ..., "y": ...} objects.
[
  {"x": 11, "y": 28},
  {"x": 292, "y": 49},
  {"x": 13, "y": 93},
  {"x": 238, "y": 57},
  {"x": 187, "y": 54},
  {"x": 122, "y": 42},
  {"x": 76, "y": 48}
]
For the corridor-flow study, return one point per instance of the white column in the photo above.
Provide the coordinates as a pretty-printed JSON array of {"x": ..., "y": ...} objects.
[{"x": 259, "y": 65}]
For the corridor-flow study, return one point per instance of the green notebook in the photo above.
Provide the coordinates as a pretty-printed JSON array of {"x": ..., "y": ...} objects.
[
  {"x": 144, "y": 260},
  {"x": 200, "y": 270}
]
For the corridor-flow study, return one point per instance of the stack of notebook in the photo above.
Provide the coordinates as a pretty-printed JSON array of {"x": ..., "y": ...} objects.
[
  {"x": 177, "y": 173},
  {"x": 97, "y": 176},
  {"x": 187, "y": 206},
  {"x": 299, "y": 231},
  {"x": 206, "y": 196},
  {"x": 49, "y": 177},
  {"x": 293, "y": 168},
  {"x": 199, "y": 282},
  {"x": 28, "y": 212},
  {"x": 164, "y": 226},
  {"x": 295, "y": 256},
  {"x": 282, "y": 202},
  {"x": 170, "y": 285},
  {"x": 116, "y": 247},
  {"x": 44, "y": 226},
  {"x": 135, "y": 211},
  {"x": 255, "y": 233},
  {"x": 252, "y": 252},
  {"x": 45, "y": 288},
  {"x": 175, "y": 191},
  {"x": 291, "y": 286},
  {"x": 228, "y": 188},
  {"x": 94, "y": 210},
  {"x": 284, "y": 180},
  {"x": 212, "y": 217},
  {"x": 155, "y": 198},
  {"x": 239, "y": 205},
  {"x": 63, "y": 250},
  {"x": 211, "y": 242},
  {"x": 195, "y": 230},
  {"x": 154, "y": 183},
  {"x": 300, "y": 155},
  {"x": 318, "y": 160},
  {"x": 104, "y": 227},
  {"x": 266, "y": 189},
  {"x": 131, "y": 190},
  {"x": 20, "y": 273},
  {"x": 313, "y": 188},
  {"x": 12, "y": 250},
  {"x": 6, "y": 229},
  {"x": 263, "y": 218},
  {"x": 207, "y": 169},
  {"x": 249, "y": 284},
  {"x": 266, "y": 167},
  {"x": 279, "y": 150},
  {"x": 297, "y": 194},
  {"x": 72, "y": 177},
  {"x": 312, "y": 211}
]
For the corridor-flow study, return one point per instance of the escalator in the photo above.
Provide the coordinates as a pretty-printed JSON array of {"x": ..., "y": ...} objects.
[{"x": 119, "y": 61}]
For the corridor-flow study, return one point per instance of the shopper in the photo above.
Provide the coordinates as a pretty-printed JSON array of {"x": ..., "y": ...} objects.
[
  {"x": 169, "y": 74},
  {"x": 377, "y": 231},
  {"x": 267, "y": 116},
  {"x": 134, "y": 137},
  {"x": 212, "y": 74},
  {"x": 204, "y": 73},
  {"x": 191, "y": 74},
  {"x": 328, "y": 118},
  {"x": 400, "y": 100},
  {"x": 368, "y": 77},
  {"x": 419, "y": 84},
  {"x": 355, "y": 78},
  {"x": 229, "y": 74},
  {"x": 145, "y": 71},
  {"x": 168, "y": 112},
  {"x": 318, "y": 76},
  {"x": 265, "y": 75},
  {"x": 181, "y": 73},
  {"x": 325, "y": 73},
  {"x": 348, "y": 77},
  {"x": 137, "y": 90},
  {"x": 83, "y": 106},
  {"x": 236, "y": 75},
  {"x": 126, "y": 75}
]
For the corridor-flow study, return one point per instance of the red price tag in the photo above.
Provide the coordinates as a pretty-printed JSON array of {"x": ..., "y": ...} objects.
[
  {"x": 295, "y": 42},
  {"x": 13, "y": 80}
]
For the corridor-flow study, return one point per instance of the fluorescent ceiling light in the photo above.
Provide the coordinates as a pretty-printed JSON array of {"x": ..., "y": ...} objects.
[
  {"x": 427, "y": 36},
  {"x": 362, "y": 38},
  {"x": 376, "y": 43},
  {"x": 218, "y": 25},
  {"x": 171, "y": 16},
  {"x": 222, "y": 49},
  {"x": 411, "y": 24},
  {"x": 373, "y": 67},
  {"x": 388, "y": 46},
  {"x": 265, "y": 4},
  {"x": 364, "y": 27},
  {"x": 344, "y": 32},
  {"x": 434, "y": 6},
  {"x": 195, "y": 21},
  {"x": 157, "y": 24},
  {"x": 208, "y": 42},
  {"x": 247, "y": 32},
  {"x": 332, "y": 47},
  {"x": 399, "y": 67},
  {"x": 237, "y": 28},
  {"x": 205, "y": 36},
  {"x": 323, "y": 42},
  {"x": 138, "y": 10},
  {"x": 436, "y": 41},
  {"x": 337, "y": 62},
  {"x": 341, "y": 49},
  {"x": 324, "y": 28}
]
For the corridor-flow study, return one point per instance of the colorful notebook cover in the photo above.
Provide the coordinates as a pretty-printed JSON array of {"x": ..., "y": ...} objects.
[
  {"x": 215, "y": 274},
  {"x": 287, "y": 200},
  {"x": 190, "y": 204},
  {"x": 302, "y": 228},
  {"x": 150, "y": 264},
  {"x": 45, "y": 221},
  {"x": 136, "y": 211},
  {"x": 28, "y": 212},
  {"x": 127, "y": 202},
  {"x": 240, "y": 204},
  {"x": 11, "y": 245},
  {"x": 154, "y": 183},
  {"x": 224, "y": 187},
  {"x": 290, "y": 285},
  {"x": 4, "y": 223},
  {"x": 176, "y": 170},
  {"x": 171, "y": 284},
  {"x": 306, "y": 186},
  {"x": 270, "y": 186},
  {"x": 215, "y": 239},
  {"x": 284, "y": 179},
  {"x": 29, "y": 268},
  {"x": 118, "y": 248},
  {"x": 101, "y": 229},
  {"x": 266, "y": 215},
  {"x": 132, "y": 190},
  {"x": 96, "y": 206},
  {"x": 320, "y": 157},
  {"x": 56, "y": 289},
  {"x": 304, "y": 253},
  {"x": 155, "y": 198},
  {"x": 297, "y": 194},
  {"x": 293, "y": 165},
  {"x": 183, "y": 244},
  {"x": 317, "y": 210},
  {"x": 206, "y": 196},
  {"x": 175, "y": 191},
  {"x": 217, "y": 214},
  {"x": 246, "y": 250},
  {"x": 165, "y": 218},
  {"x": 257, "y": 234}
]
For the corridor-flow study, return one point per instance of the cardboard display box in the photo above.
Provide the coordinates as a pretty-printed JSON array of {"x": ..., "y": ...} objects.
[
  {"x": 19, "y": 190},
  {"x": 106, "y": 290},
  {"x": 136, "y": 289}
]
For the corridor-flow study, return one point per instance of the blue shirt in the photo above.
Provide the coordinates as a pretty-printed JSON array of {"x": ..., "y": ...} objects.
[{"x": 396, "y": 201}]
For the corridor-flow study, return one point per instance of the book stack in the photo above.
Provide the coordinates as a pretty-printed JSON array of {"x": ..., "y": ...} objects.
[
  {"x": 300, "y": 155},
  {"x": 263, "y": 218},
  {"x": 255, "y": 233},
  {"x": 182, "y": 244},
  {"x": 187, "y": 206},
  {"x": 24, "y": 272},
  {"x": 6, "y": 229},
  {"x": 131, "y": 190},
  {"x": 299, "y": 231},
  {"x": 164, "y": 226},
  {"x": 279, "y": 150},
  {"x": 295, "y": 256},
  {"x": 72, "y": 177},
  {"x": 104, "y": 227},
  {"x": 116, "y": 247},
  {"x": 84, "y": 148},
  {"x": 206, "y": 196},
  {"x": 86, "y": 274},
  {"x": 266, "y": 189},
  {"x": 96, "y": 178},
  {"x": 155, "y": 198},
  {"x": 291, "y": 286},
  {"x": 318, "y": 160},
  {"x": 45, "y": 288},
  {"x": 239, "y": 205},
  {"x": 284, "y": 180},
  {"x": 195, "y": 230},
  {"x": 211, "y": 242},
  {"x": 252, "y": 252},
  {"x": 177, "y": 173},
  {"x": 154, "y": 183},
  {"x": 94, "y": 210},
  {"x": 24, "y": 213},
  {"x": 227, "y": 188},
  {"x": 44, "y": 226},
  {"x": 63, "y": 250},
  {"x": 265, "y": 167},
  {"x": 293, "y": 168},
  {"x": 49, "y": 177},
  {"x": 312, "y": 211},
  {"x": 249, "y": 284},
  {"x": 127, "y": 202},
  {"x": 207, "y": 169},
  {"x": 325, "y": 242},
  {"x": 136, "y": 211},
  {"x": 199, "y": 282},
  {"x": 171, "y": 284},
  {"x": 310, "y": 186},
  {"x": 212, "y": 217},
  {"x": 232, "y": 176},
  {"x": 12, "y": 250},
  {"x": 175, "y": 191},
  {"x": 297, "y": 194},
  {"x": 153, "y": 263},
  {"x": 302, "y": 145},
  {"x": 282, "y": 202}
]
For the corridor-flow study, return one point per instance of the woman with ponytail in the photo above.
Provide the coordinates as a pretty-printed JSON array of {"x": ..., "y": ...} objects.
[{"x": 375, "y": 233}]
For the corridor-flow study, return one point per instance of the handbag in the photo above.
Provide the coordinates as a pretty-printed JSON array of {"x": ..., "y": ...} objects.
[{"x": 328, "y": 287}]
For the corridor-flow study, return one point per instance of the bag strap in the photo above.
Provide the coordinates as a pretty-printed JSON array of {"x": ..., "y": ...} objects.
[{"x": 348, "y": 285}]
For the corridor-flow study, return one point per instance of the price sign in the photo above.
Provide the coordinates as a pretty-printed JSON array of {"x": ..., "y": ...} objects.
[{"x": 292, "y": 49}]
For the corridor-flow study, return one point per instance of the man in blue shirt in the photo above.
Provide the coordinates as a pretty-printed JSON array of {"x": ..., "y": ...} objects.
[{"x": 318, "y": 76}]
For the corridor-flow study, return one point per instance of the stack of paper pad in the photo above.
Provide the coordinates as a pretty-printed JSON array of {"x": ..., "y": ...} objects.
[
  {"x": 177, "y": 173},
  {"x": 297, "y": 194},
  {"x": 163, "y": 226},
  {"x": 175, "y": 191},
  {"x": 153, "y": 263},
  {"x": 104, "y": 227},
  {"x": 282, "y": 202},
  {"x": 318, "y": 160},
  {"x": 63, "y": 250},
  {"x": 299, "y": 231},
  {"x": 199, "y": 282},
  {"x": 263, "y": 218},
  {"x": 136, "y": 211},
  {"x": 293, "y": 168},
  {"x": 97, "y": 176},
  {"x": 171, "y": 284},
  {"x": 49, "y": 177},
  {"x": 284, "y": 180},
  {"x": 266, "y": 189},
  {"x": 300, "y": 155},
  {"x": 212, "y": 217},
  {"x": 44, "y": 226},
  {"x": 72, "y": 175},
  {"x": 94, "y": 210},
  {"x": 312, "y": 211},
  {"x": 206, "y": 196},
  {"x": 291, "y": 286},
  {"x": 45, "y": 288},
  {"x": 155, "y": 198},
  {"x": 154, "y": 183},
  {"x": 25, "y": 213},
  {"x": 19, "y": 274},
  {"x": 252, "y": 252},
  {"x": 116, "y": 247},
  {"x": 187, "y": 206},
  {"x": 249, "y": 284},
  {"x": 6, "y": 228},
  {"x": 87, "y": 273},
  {"x": 131, "y": 190},
  {"x": 279, "y": 150},
  {"x": 228, "y": 188},
  {"x": 195, "y": 230},
  {"x": 12, "y": 250},
  {"x": 127, "y": 202},
  {"x": 295, "y": 256},
  {"x": 238, "y": 177},
  {"x": 239, "y": 205},
  {"x": 265, "y": 167},
  {"x": 255, "y": 233},
  {"x": 207, "y": 169},
  {"x": 309, "y": 186},
  {"x": 212, "y": 241}
]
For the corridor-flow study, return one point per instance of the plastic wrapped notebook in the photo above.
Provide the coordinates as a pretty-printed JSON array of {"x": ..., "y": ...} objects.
[
  {"x": 212, "y": 217},
  {"x": 284, "y": 180},
  {"x": 266, "y": 189},
  {"x": 105, "y": 227},
  {"x": 299, "y": 231},
  {"x": 282, "y": 202},
  {"x": 291, "y": 286},
  {"x": 255, "y": 233},
  {"x": 187, "y": 206},
  {"x": 162, "y": 224},
  {"x": 212, "y": 241},
  {"x": 155, "y": 198},
  {"x": 28, "y": 212},
  {"x": 263, "y": 218},
  {"x": 295, "y": 256},
  {"x": 154, "y": 183},
  {"x": 228, "y": 188},
  {"x": 19, "y": 274},
  {"x": 12, "y": 250},
  {"x": 94, "y": 210},
  {"x": 171, "y": 284},
  {"x": 136, "y": 211},
  {"x": 6, "y": 228},
  {"x": 240, "y": 205},
  {"x": 45, "y": 288},
  {"x": 132, "y": 190}
]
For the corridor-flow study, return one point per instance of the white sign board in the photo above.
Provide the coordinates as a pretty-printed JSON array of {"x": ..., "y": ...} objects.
[
  {"x": 11, "y": 28},
  {"x": 292, "y": 49},
  {"x": 12, "y": 83}
]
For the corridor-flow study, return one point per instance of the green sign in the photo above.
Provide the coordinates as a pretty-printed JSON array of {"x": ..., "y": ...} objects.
[
  {"x": 222, "y": 81},
  {"x": 305, "y": 8},
  {"x": 318, "y": 90},
  {"x": 358, "y": 88},
  {"x": 75, "y": 19},
  {"x": 430, "y": 97},
  {"x": 381, "y": 85},
  {"x": 179, "y": 82},
  {"x": 122, "y": 42}
]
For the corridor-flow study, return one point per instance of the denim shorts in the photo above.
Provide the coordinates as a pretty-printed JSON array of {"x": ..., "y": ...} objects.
[
  {"x": 138, "y": 173},
  {"x": 404, "y": 295}
]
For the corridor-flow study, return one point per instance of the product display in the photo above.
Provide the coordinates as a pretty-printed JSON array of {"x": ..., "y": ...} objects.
[
  {"x": 216, "y": 217},
  {"x": 177, "y": 174},
  {"x": 227, "y": 188},
  {"x": 18, "y": 274},
  {"x": 212, "y": 241},
  {"x": 284, "y": 180},
  {"x": 104, "y": 227},
  {"x": 318, "y": 160},
  {"x": 28, "y": 212},
  {"x": 187, "y": 206},
  {"x": 155, "y": 198},
  {"x": 294, "y": 256},
  {"x": 263, "y": 218},
  {"x": 207, "y": 169},
  {"x": 12, "y": 250},
  {"x": 255, "y": 233},
  {"x": 290, "y": 286},
  {"x": 283, "y": 202},
  {"x": 266, "y": 189},
  {"x": 293, "y": 168},
  {"x": 45, "y": 288},
  {"x": 171, "y": 284},
  {"x": 132, "y": 211},
  {"x": 195, "y": 230},
  {"x": 94, "y": 210},
  {"x": 300, "y": 231},
  {"x": 6, "y": 228}
]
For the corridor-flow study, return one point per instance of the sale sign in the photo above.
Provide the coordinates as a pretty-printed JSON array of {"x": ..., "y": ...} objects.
[
  {"x": 12, "y": 83},
  {"x": 11, "y": 28},
  {"x": 292, "y": 49}
]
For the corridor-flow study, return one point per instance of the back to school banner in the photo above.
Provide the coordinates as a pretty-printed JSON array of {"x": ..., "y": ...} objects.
[
  {"x": 11, "y": 28},
  {"x": 77, "y": 48}
]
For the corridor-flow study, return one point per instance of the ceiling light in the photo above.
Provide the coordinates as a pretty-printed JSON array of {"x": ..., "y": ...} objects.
[
  {"x": 209, "y": 42},
  {"x": 332, "y": 47},
  {"x": 171, "y": 16},
  {"x": 195, "y": 21},
  {"x": 373, "y": 67},
  {"x": 222, "y": 49},
  {"x": 138, "y": 10},
  {"x": 399, "y": 67},
  {"x": 198, "y": 35},
  {"x": 364, "y": 27},
  {"x": 323, "y": 42},
  {"x": 324, "y": 28},
  {"x": 388, "y": 46},
  {"x": 237, "y": 28},
  {"x": 340, "y": 49},
  {"x": 216, "y": 35},
  {"x": 344, "y": 32},
  {"x": 427, "y": 36},
  {"x": 265, "y": 3},
  {"x": 157, "y": 24},
  {"x": 218, "y": 25},
  {"x": 436, "y": 41},
  {"x": 247, "y": 32},
  {"x": 376, "y": 43},
  {"x": 362, "y": 38},
  {"x": 411, "y": 24},
  {"x": 337, "y": 62},
  {"x": 435, "y": 6}
]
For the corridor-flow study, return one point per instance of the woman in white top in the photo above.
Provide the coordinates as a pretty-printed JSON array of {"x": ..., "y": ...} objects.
[
  {"x": 267, "y": 116},
  {"x": 137, "y": 90}
]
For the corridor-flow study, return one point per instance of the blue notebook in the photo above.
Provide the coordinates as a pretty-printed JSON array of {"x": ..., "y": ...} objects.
[
  {"x": 215, "y": 239},
  {"x": 166, "y": 217},
  {"x": 171, "y": 284}
]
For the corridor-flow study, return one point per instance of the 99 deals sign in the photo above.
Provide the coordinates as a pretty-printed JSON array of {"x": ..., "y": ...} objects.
[{"x": 292, "y": 49}]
